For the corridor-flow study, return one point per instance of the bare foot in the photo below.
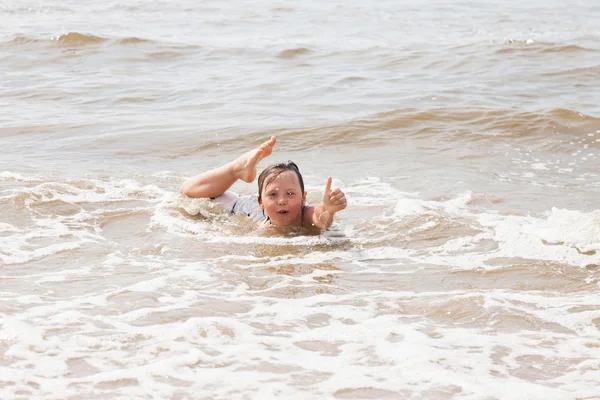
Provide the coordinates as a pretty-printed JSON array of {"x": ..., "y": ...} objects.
[{"x": 245, "y": 166}]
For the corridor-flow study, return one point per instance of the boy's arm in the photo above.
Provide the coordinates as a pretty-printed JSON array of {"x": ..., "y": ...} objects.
[{"x": 321, "y": 217}]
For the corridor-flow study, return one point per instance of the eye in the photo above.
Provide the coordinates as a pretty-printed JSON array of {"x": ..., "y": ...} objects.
[
  {"x": 290, "y": 193},
  {"x": 272, "y": 194}
]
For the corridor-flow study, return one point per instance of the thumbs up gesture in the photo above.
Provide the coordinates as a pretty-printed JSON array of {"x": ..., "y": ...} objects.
[{"x": 333, "y": 200}]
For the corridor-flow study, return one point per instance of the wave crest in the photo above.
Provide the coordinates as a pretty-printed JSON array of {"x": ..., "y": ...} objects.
[
  {"x": 520, "y": 46},
  {"x": 452, "y": 124},
  {"x": 78, "y": 38},
  {"x": 74, "y": 38},
  {"x": 289, "y": 54}
]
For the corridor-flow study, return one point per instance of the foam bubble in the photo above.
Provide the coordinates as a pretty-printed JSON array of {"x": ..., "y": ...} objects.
[
  {"x": 71, "y": 230},
  {"x": 563, "y": 237},
  {"x": 405, "y": 207},
  {"x": 135, "y": 319},
  {"x": 372, "y": 192},
  {"x": 7, "y": 175},
  {"x": 4, "y": 227}
]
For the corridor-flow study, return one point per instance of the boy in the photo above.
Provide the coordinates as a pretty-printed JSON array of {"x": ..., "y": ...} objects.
[{"x": 281, "y": 197}]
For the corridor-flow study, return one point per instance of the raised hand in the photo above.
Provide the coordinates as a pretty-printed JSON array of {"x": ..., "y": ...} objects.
[{"x": 333, "y": 200}]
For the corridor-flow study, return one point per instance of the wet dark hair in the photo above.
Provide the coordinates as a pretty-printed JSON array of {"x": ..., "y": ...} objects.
[{"x": 274, "y": 171}]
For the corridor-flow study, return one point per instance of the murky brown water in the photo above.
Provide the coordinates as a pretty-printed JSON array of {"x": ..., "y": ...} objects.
[{"x": 465, "y": 136}]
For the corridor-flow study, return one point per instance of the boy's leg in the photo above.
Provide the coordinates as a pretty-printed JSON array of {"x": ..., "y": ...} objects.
[
  {"x": 215, "y": 182},
  {"x": 245, "y": 166}
]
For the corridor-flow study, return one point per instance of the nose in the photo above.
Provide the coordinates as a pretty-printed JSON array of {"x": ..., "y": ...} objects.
[{"x": 282, "y": 200}]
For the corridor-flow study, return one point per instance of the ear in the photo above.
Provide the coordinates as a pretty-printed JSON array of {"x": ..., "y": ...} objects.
[
  {"x": 260, "y": 203},
  {"x": 304, "y": 198}
]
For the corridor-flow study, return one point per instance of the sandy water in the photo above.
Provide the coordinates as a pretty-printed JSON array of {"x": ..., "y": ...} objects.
[{"x": 465, "y": 136}]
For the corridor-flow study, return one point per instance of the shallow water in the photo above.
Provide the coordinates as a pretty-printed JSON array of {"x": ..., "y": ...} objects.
[{"x": 465, "y": 137}]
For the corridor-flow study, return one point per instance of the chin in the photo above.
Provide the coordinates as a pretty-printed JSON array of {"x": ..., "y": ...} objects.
[
  {"x": 282, "y": 224},
  {"x": 284, "y": 221}
]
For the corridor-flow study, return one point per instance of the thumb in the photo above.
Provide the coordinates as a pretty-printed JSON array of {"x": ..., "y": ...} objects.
[{"x": 327, "y": 188}]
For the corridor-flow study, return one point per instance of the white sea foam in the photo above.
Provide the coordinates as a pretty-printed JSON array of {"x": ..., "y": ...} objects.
[
  {"x": 18, "y": 256},
  {"x": 561, "y": 237},
  {"x": 581, "y": 230},
  {"x": 168, "y": 298},
  {"x": 166, "y": 325},
  {"x": 417, "y": 206},
  {"x": 99, "y": 191},
  {"x": 337, "y": 337},
  {"x": 69, "y": 232},
  {"x": 564, "y": 236},
  {"x": 371, "y": 192},
  {"x": 539, "y": 166},
  {"x": 8, "y": 175},
  {"x": 4, "y": 227}
]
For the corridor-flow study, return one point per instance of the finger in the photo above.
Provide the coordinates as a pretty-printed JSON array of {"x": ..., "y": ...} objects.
[
  {"x": 337, "y": 207},
  {"x": 272, "y": 141},
  {"x": 336, "y": 199},
  {"x": 328, "y": 186},
  {"x": 336, "y": 194}
]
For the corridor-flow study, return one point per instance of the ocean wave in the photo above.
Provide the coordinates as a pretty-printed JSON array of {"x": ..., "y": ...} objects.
[
  {"x": 452, "y": 124},
  {"x": 580, "y": 73},
  {"x": 73, "y": 38},
  {"x": 416, "y": 224},
  {"x": 443, "y": 124},
  {"x": 78, "y": 38},
  {"x": 520, "y": 46},
  {"x": 51, "y": 217},
  {"x": 289, "y": 54},
  {"x": 459, "y": 233}
]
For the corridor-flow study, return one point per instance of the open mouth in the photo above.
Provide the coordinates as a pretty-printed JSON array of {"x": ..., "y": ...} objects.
[{"x": 283, "y": 212}]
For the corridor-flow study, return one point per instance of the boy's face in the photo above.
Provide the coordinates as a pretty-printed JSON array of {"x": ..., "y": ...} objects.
[{"x": 282, "y": 199}]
